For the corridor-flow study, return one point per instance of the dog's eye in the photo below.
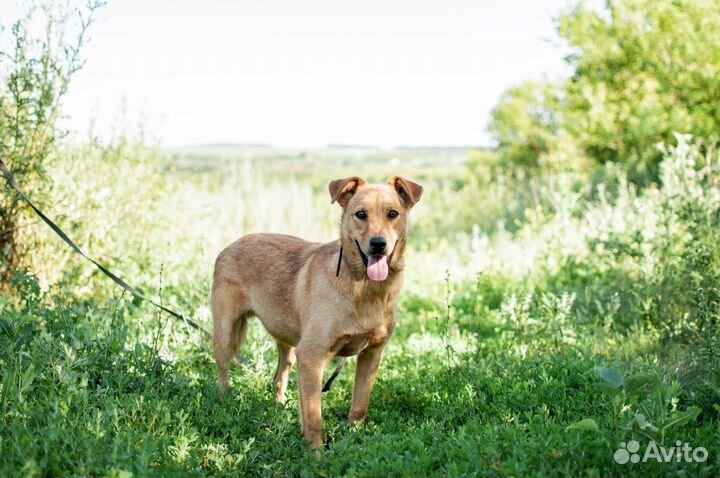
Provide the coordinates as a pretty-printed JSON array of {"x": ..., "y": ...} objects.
[
  {"x": 393, "y": 214},
  {"x": 361, "y": 215}
]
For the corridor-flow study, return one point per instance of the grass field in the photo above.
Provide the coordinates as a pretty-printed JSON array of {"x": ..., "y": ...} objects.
[{"x": 546, "y": 321}]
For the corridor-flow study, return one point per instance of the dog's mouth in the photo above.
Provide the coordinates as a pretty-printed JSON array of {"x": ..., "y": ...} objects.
[{"x": 378, "y": 266}]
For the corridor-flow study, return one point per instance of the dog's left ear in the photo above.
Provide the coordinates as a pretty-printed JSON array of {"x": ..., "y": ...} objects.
[
  {"x": 408, "y": 191},
  {"x": 341, "y": 190}
]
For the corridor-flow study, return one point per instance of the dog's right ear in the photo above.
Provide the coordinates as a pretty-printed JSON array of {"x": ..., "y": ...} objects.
[{"x": 341, "y": 190}]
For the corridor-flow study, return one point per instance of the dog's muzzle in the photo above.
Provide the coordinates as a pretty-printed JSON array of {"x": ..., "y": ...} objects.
[{"x": 377, "y": 267}]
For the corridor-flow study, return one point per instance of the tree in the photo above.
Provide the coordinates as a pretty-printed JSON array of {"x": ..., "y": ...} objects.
[
  {"x": 526, "y": 122},
  {"x": 643, "y": 70}
]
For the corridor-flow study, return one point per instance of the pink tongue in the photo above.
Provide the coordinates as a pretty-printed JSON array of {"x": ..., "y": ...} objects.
[{"x": 377, "y": 268}]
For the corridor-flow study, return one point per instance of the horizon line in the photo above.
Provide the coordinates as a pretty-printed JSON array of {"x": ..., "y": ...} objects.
[{"x": 363, "y": 146}]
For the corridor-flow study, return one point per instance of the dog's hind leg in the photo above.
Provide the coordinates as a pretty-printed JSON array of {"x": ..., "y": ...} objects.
[
  {"x": 286, "y": 360},
  {"x": 230, "y": 313}
]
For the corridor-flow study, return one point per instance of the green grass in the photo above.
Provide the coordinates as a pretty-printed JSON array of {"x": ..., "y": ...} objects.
[
  {"x": 83, "y": 394},
  {"x": 594, "y": 307}
]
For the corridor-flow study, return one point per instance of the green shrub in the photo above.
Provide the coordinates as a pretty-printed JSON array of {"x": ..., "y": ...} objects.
[
  {"x": 35, "y": 73},
  {"x": 642, "y": 70}
]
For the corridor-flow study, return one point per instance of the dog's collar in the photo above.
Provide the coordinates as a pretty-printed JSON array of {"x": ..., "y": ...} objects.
[
  {"x": 362, "y": 255},
  {"x": 337, "y": 274}
]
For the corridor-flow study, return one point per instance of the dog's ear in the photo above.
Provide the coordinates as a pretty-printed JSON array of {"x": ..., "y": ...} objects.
[
  {"x": 408, "y": 191},
  {"x": 341, "y": 190}
]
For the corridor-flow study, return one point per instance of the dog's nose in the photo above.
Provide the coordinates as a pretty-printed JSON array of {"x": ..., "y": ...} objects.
[{"x": 378, "y": 244}]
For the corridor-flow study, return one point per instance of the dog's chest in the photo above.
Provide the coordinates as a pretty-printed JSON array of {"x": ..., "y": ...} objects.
[
  {"x": 353, "y": 344},
  {"x": 370, "y": 321}
]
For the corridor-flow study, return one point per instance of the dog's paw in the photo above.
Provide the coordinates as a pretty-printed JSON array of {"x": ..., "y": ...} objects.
[{"x": 356, "y": 423}]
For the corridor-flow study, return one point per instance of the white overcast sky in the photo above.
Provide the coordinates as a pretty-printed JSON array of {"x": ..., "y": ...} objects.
[{"x": 307, "y": 73}]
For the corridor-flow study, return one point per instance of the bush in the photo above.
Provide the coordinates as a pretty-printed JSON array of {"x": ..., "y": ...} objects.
[
  {"x": 643, "y": 69},
  {"x": 34, "y": 76}
]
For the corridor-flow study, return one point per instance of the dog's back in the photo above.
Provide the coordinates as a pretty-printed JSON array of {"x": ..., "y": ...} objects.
[
  {"x": 261, "y": 273},
  {"x": 261, "y": 261}
]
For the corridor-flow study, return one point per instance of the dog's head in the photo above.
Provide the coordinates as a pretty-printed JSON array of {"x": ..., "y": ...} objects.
[{"x": 375, "y": 220}]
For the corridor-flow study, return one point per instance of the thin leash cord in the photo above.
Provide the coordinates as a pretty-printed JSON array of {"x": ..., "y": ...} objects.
[{"x": 189, "y": 322}]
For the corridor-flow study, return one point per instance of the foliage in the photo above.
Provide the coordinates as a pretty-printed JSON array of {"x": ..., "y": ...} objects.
[
  {"x": 34, "y": 76},
  {"x": 486, "y": 372},
  {"x": 74, "y": 366},
  {"x": 643, "y": 70},
  {"x": 526, "y": 123},
  {"x": 547, "y": 318},
  {"x": 651, "y": 404}
]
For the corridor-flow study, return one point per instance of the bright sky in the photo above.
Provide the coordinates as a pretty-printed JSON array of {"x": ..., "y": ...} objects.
[{"x": 307, "y": 73}]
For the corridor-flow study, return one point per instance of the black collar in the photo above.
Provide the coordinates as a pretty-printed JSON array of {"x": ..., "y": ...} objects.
[{"x": 337, "y": 274}]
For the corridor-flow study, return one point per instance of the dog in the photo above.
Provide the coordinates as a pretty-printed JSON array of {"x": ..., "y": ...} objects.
[{"x": 317, "y": 300}]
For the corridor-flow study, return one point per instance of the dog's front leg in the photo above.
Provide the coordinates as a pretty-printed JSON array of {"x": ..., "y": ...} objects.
[
  {"x": 368, "y": 363},
  {"x": 311, "y": 365}
]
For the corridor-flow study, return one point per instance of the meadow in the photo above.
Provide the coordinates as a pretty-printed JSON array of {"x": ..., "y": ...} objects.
[
  {"x": 545, "y": 320},
  {"x": 561, "y": 312}
]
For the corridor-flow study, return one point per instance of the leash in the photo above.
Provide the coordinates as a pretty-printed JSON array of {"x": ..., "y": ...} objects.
[{"x": 189, "y": 322}]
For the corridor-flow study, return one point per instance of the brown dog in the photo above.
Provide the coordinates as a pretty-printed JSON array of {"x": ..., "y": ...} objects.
[{"x": 319, "y": 300}]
